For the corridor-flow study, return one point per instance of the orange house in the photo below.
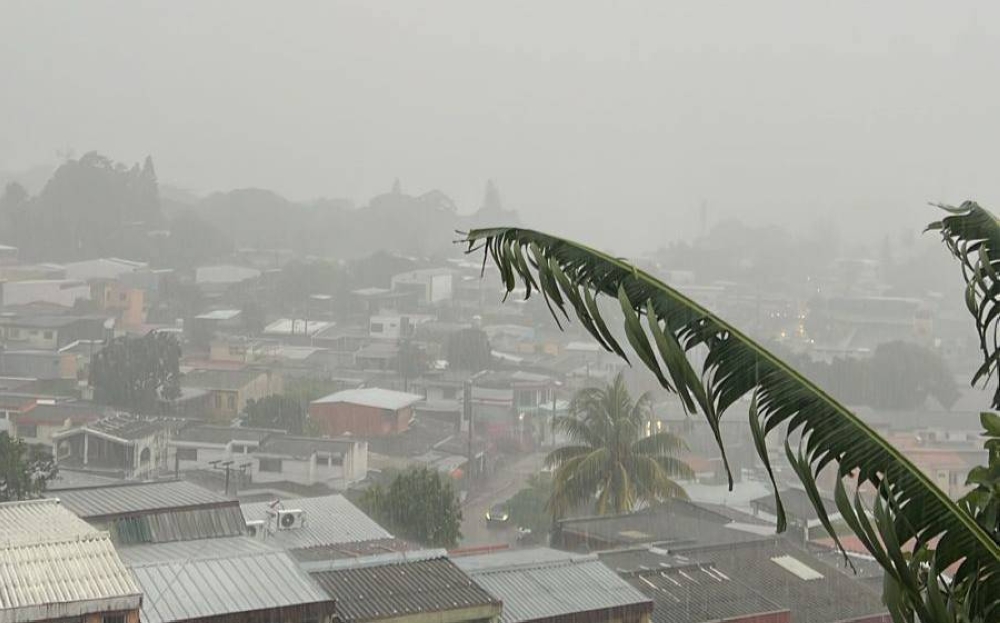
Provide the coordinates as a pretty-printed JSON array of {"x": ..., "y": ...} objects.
[{"x": 364, "y": 412}]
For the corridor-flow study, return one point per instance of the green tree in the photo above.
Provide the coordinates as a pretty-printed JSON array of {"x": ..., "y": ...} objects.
[
  {"x": 135, "y": 374},
  {"x": 529, "y": 507},
  {"x": 276, "y": 411},
  {"x": 917, "y": 530},
  {"x": 611, "y": 463},
  {"x": 898, "y": 375},
  {"x": 469, "y": 349},
  {"x": 25, "y": 470},
  {"x": 419, "y": 504}
]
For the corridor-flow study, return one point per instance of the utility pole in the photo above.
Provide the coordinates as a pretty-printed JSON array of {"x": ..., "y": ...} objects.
[{"x": 467, "y": 415}]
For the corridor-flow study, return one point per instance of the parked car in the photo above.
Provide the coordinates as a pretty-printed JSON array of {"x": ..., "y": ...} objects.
[{"x": 498, "y": 515}]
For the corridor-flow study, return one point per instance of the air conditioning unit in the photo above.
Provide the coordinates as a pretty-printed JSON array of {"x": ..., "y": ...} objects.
[
  {"x": 257, "y": 528},
  {"x": 291, "y": 518}
]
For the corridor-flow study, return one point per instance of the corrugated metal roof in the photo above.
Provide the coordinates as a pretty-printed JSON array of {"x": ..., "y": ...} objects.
[
  {"x": 330, "y": 520},
  {"x": 243, "y": 581},
  {"x": 372, "y": 397},
  {"x": 34, "y": 521},
  {"x": 552, "y": 588},
  {"x": 137, "y": 498},
  {"x": 53, "y": 565},
  {"x": 404, "y": 587},
  {"x": 184, "y": 550},
  {"x": 166, "y": 526}
]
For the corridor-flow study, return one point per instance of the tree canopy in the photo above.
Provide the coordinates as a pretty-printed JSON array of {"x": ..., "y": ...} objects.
[
  {"x": 135, "y": 374},
  {"x": 898, "y": 375},
  {"x": 469, "y": 349},
  {"x": 91, "y": 207},
  {"x": 419, "y": 504},
  {"x": 611, "y": 463},
  {"x": 25, "y": 470},
  {"x": 276, "y": 411}
]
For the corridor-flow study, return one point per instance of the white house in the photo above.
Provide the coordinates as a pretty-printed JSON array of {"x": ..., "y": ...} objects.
[
  {"x": 433, "y": 285},
  {"x": 272, "y": 456}
]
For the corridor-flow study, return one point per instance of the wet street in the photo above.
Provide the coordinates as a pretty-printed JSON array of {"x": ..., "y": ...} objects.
[{"x": 499, "y": 488}]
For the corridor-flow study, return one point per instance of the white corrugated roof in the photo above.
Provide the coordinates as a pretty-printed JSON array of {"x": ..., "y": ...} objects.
[
  {"x": 53, "y": 565},
  {"x": 219, "y": 314},
  {"x": 372, "y": 397},
  {"x": 330, "y": 520},
  {"x": 238, "y": 582},
  {"x": 35, "y": 521}
]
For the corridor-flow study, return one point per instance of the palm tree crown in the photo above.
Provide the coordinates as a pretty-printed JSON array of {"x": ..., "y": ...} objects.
[{"x": 611, "y": 462}]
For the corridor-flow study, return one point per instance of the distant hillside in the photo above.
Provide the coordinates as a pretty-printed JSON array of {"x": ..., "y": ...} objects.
[
  {"x": 94, "y": 206},
  {"x": 417, "y": 225}
]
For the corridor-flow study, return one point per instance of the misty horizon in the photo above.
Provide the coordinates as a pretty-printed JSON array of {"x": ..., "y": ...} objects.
[{"x": 775, "y": 111}]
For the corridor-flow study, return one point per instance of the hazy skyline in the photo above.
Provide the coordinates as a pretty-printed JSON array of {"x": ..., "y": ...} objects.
[{"x": 611, "y": 123}]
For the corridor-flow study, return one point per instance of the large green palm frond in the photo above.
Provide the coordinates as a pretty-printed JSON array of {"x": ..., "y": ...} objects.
[
  {"x": 972, "y": 234},
  {"x": 663, "y": 327}
]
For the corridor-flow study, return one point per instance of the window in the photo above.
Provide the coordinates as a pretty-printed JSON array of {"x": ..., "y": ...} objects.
[
  {"x": 231, "y": 401},
  {"x": 187, "y": 454},
  {"x": 47, "y": 335},
  {"x": 27, "y": 430},
  {"x": 270, "y": 465},
  {"x": 123, "y": 297},
  {"x": 377, "y": 327},
  {"x": 218, "y": 401},
  {"x": 449, "y": 393},
  {"x": 113, "y": 618}
]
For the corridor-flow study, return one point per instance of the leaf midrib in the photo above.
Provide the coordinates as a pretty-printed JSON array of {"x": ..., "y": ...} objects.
[{"x": 638, "y": 273}]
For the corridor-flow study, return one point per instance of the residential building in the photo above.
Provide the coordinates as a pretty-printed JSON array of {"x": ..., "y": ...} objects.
[
  {"x": 215, "y": 280},
  {"x": 393, "y": 326},
  {"x": 692, "y": 591},
  {"x": 49, "y": 332},
  {"x": 13, "y": 405},
  {"x": 544, "y": 585},
  {"x": 63, "y": 292},
  {"x": 159, "y": 511},
  {"x": 229, "y": 390},
  {"x": 225, "y": 579},
  {"x": 105, "y": 268},
  {"x": 296, "y": 329},
  {"x": 404, "y": 587},
  {"x": 799, "y": 511},
  {"x": 431, "y": 285},
  {"x": 722, "y": 540},
  {"x": 58, "y": 568},
  {"x": 127, "y": 303},
  {"x": 44, "y": 418},
  {"x": 242, "y": 350},
  {"x": 43, "y": 365},
  {"x": 125, "y": 446},
  {"x": 370, "y": 411},
  {"x": 267, "y": 456}
]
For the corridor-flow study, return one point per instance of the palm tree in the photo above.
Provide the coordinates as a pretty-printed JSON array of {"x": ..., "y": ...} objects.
[
  {"x": 917, "y": 530},
  {"x": 611, "y": 462}
]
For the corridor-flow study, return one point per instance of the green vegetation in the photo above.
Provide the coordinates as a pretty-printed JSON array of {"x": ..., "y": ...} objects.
[
  {"x": 25, "y": 470},
  {"x": 135, "y": 374},
  {"x": 277, "y": 411},
  {"x": 419, "y": 505},
  {"x": 611, "y": 463}
]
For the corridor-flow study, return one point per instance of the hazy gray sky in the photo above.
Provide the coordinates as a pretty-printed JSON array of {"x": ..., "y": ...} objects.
[{"x": 610, "y": 121}]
